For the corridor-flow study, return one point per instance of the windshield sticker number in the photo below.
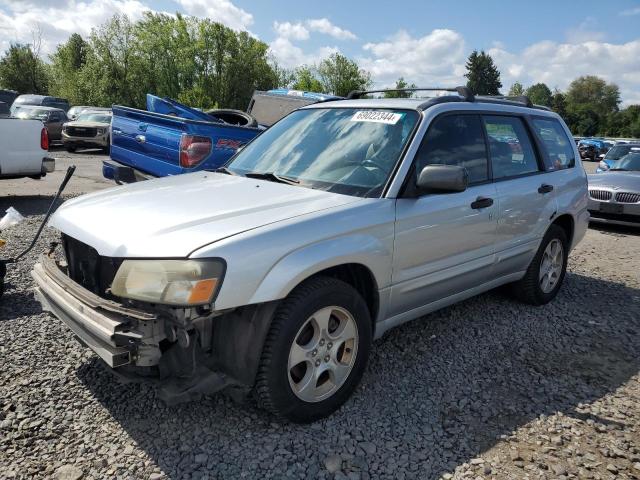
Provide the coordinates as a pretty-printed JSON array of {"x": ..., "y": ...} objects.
[{"x": 389, "y": 118}]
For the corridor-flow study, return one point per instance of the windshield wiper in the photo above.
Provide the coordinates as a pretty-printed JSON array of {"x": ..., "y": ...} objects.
[
  {"x": 272, "y": 177},
  {"x": 224, "y": 170}
]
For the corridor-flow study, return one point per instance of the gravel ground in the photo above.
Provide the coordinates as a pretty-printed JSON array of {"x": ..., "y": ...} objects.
[{"x": 487, "y": 388}]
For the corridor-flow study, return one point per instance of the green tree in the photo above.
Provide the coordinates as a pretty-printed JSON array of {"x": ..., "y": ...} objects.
[
  {"x": 21, "y": 69},
  {"x": 539, "y": 94},
  {"x": 340, "y": 75},
  {"x": 400, "y": 84},
  {"x": 516, "y": 90},
  {"x": 482, "y": 74},
  {"x": 306, "y": 80},
  {"x": 66, "y": 65},
  {"x": 590, "y": 103},
  {"x": 559, "y": 103}
]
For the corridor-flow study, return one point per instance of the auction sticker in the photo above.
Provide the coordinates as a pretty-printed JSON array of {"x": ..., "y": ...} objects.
[{"x": 376, "y": 117}]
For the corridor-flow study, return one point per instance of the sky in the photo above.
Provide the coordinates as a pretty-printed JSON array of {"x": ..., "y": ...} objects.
[{"x": 426, "y": 42}]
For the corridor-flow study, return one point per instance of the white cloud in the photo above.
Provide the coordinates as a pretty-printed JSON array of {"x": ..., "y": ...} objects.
[
  {"x": 289, "y": 55},
  {"x": 222, "y": 11},
  {"x": 630, "y": 12},
  {"x": 294, "y": 31},
  {"x": 56, "y": 20},
  {"x": 436, "y": 59},
  {"x": 323, "y": 25},
  {"x": 557, "y": 64}
]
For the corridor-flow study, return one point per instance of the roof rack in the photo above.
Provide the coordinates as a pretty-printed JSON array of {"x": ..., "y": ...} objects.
[
  {"x": 464, "y": 95},
  {"x": 464, "y": 92}
]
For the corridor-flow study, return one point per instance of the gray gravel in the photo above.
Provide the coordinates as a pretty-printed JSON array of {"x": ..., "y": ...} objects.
[{"x": 487, "y": 388}]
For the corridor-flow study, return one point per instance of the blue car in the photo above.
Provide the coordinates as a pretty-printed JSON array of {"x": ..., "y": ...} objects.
[
  {"x": 618, "y": 151},
  {"x": 169, "y": 138}
]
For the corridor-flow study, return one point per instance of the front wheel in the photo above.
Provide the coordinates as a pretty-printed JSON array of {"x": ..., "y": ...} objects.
[
  {"x": 315, "y": 352},
  {"x": 546, "y": 272}
]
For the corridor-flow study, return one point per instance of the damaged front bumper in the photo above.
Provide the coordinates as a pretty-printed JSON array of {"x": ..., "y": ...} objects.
[
  {"x": 119, "y": 335},
  {"x": 184, "y": 353}
]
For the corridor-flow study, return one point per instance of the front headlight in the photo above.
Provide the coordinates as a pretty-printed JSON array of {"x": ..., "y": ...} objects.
[
  {"x": 101, "y": 131},
  {"x": 170, "y": 282}
]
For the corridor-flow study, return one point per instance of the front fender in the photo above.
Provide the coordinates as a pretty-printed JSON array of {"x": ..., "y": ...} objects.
[{"x": 372, "y": 252}]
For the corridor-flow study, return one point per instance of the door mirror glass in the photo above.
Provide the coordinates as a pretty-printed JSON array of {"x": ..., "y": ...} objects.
[{"x": 443, "y": 178}]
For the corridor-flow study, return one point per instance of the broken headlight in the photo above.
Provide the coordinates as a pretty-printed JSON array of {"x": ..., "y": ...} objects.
[{"x": 170, "y": 282}]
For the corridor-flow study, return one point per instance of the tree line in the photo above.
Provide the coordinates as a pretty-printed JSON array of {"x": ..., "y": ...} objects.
[{"x": 207, "y": 65}]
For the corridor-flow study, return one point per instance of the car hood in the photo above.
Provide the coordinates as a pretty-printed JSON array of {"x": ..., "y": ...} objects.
[
  {"x": 623, "y": 181},
  {"x": 87, "y": 124},
  {"x": 174, "y": 216}
]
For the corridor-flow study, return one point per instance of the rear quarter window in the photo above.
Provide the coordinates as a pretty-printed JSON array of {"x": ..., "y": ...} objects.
[{"x": 558, "y": 148}]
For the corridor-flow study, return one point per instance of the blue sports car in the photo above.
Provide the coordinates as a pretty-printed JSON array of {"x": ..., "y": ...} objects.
[{"x": 618, "y": 151}]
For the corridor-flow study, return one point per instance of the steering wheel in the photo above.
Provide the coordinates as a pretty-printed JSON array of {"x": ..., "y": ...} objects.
[{"x": 374, "y": 163}]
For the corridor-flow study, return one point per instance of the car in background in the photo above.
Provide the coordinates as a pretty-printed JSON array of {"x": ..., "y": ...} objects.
[
  {"x": 616, "y": 153},
  {"x": 591, "y": 148},
  {"x": 169, "y": 138},
  {"x": 39, "y": 101},
  {"x": 90, "y": 129},
  {"x": 8, "y": 96},
  {"x": 53, "y": 119},
  {"x": 78, "y": 109},
  {"x": 614, "y": 195},
  {"x": 23, "y": 149}
]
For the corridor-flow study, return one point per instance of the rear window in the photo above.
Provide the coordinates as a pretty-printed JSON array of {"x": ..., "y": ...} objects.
[{"x": 558, "y": 147}]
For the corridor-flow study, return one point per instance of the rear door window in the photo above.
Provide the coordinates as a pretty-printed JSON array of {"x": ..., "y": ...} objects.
[
  {"x": 456, "y": 140},
  {"x": 510, "y": 146},
  {"x": 558, "y": 147}
]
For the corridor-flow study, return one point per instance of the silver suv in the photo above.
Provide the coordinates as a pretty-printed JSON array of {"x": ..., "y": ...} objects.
[{"x": 275, "y": 273}]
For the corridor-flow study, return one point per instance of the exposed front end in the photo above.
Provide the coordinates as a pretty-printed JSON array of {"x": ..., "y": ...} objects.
[{"x": 85, "y": 136}]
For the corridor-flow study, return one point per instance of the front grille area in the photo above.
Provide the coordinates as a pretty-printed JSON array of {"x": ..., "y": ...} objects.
[
  {"x": 87, "y": 268},
  {"x": 602, "y": 195},
  {"x": 627, "y": 197},
  {"x": 81, "y": 131}
]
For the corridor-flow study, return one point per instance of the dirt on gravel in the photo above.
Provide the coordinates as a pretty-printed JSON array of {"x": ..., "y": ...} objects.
[{"x": 489, "y": 388}]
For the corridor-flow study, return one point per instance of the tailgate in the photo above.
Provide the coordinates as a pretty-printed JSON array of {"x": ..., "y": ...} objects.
[
  {"x": 146, "y": 141},
  {"x": 150, "y": 142}
]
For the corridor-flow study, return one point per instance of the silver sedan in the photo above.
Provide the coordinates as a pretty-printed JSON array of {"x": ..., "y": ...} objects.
[{"x": 614, "y": 195}]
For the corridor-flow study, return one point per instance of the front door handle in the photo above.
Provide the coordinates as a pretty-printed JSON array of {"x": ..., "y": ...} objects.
[
  {"x": 141, "y": 138},
  {"x": 545, "y": 188},
  {"x": 482, "y": 202}
]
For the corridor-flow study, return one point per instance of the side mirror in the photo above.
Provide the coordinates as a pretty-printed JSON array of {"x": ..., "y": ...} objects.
[{"x": 443, "y": 178}]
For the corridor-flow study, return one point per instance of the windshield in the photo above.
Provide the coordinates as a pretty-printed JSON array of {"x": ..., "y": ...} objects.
[
  {"x": 630, "y": 162},
  {"x": 32, "y": 113},
  {"x": 342, "y": 150},
  {"x": 619, "y": 151},
  {"x": 94, "y": 117}
]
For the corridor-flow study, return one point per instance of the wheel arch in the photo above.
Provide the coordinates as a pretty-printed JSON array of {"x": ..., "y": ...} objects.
[{"x": 567, "y": 223}]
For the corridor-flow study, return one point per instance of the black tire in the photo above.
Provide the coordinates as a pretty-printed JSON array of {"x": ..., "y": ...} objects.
[
  {"x": 233, "y": 117},
  {"x": 70, "y": 148},
  {"x": 272, "y": 388},
  {"x": 528, "y": 289},
  {"x": 107, "y": 149},
  {"x": 3, "y": 273}
]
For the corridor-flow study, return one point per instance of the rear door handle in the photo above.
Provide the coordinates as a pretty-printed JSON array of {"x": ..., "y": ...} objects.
[
  {"x": 545, "y": 188},
  {"x": 141, "y": 138},
  {"x": 482, "y": 202}
]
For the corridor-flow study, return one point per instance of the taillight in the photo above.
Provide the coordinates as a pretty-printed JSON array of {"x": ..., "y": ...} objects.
[
  {"x": 193, "y": 150},
  {"x": 44, "y": 139}
]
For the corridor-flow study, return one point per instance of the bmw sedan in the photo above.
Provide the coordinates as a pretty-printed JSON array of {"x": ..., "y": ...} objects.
[{"x": 614, "y": 195}]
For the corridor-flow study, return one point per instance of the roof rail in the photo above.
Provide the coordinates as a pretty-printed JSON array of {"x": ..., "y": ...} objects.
[
  {"x": 464, "y": 92},
  {"x": 510, "y": 100}
]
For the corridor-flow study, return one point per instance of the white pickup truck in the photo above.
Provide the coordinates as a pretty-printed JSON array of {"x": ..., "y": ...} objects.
[{"x": 23, "y": 149}]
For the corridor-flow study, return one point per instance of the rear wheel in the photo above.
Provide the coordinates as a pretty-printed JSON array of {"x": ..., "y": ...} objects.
[
  {"x": 546, "y": 272},
  {"x": 315, "y": 352}
]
